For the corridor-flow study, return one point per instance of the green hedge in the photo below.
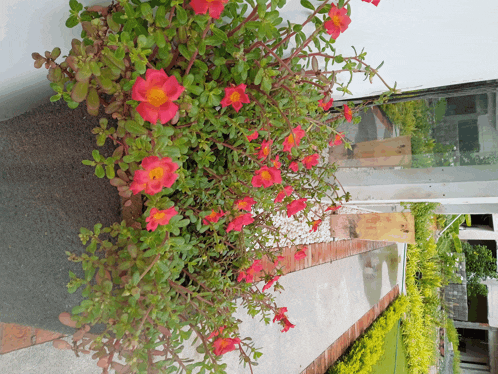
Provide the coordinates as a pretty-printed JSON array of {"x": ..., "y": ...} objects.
[{"x": 369, "y": 347}]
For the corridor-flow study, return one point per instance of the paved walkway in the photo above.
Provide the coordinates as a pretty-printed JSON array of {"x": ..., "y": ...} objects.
[{"x": 323, "y": 302}]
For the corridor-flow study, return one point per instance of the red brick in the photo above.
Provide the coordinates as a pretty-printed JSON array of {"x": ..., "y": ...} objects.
[
  {"x": 43, "y": 336},
  {"x": 14, "y": 337}
]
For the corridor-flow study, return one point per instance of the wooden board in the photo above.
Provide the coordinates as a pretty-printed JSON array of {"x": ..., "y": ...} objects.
[
  {"x": 386, "y": 152},
  {"x": 392, "y": 227}
]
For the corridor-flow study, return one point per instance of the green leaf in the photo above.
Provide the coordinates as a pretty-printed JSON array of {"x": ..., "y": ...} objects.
[
  {"x": 181, "y": 15},
  {"x": 75, "y": 6},
  {"x": 109, "y": 171},
  {"x": 467, "y": 220},
  {"x": 96, "y": 155},
  {"x": 457, "y": 242},
  {"x": 259, "y": 76},
  {"x": 184, "y": 51},
  {"x": 99, "y": 171},
  {"x": 134, "y": 128},
  {"x": 119, "y": 53},
  {"x": 160, "y": 18},
  {"x": 78, "y": 309},
  {"x": 307, "y": 4},
  {"x": 218, "y": 33},
  {"x": 55, "y": 98},
  {"x": 72, "y": 22}
]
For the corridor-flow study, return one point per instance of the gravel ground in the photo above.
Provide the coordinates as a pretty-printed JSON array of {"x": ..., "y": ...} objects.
[{"x": 299, "y": 230}]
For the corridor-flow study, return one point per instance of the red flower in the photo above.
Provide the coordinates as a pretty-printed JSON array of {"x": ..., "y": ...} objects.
[
  {"x": 279, "y": 258},
  {"x": 339, "y": 21},
  {"x": 270, "y": 283},
  {"x": 253, "y": 136},
  {"x": 235, "y": 96},
  {"x": 248, "y": 275},
  {"x": 293, "y": 139},
  {"x": 156, "y": 93},
  {"x": 224, "y": 345},
  {"x": 246, "y": 203},
  {"x": 287, "y": 325},
  {"x": 347, "y": 113},
  {"x": 216, "y": 332},
  {"x": 337, "y": 140},
  {"x": 158, "y": 173},
  {"x": 294, "y": 166},
  {"x": 265, "y": 149},
  {"x": 296, "y": 206},
  {"x": 315, "y": 225},
  {"x": 299, "y": 255},
  {"x": 159, "y": 217},
  {"x": 286, "y": 192},
  {"x": 213, "y": 217},
  {"x": 327, "y": 105},
  {"x": 374, "y": 2},
  {"x": 266, "y": 177},
  {"x": 276, "y": 163},
  {"x": 280, "y": 315},
  {"x": 310, "y": 161},
  {"x": 333, "y": 208},
  {"x": 215, "y": 7},
  {"x": 242, "y": 220}
]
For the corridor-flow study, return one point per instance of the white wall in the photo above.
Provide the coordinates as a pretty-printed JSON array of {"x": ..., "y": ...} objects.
[{"x": 424, "y": 43}]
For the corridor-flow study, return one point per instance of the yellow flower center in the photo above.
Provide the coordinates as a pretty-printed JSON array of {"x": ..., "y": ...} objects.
[
  {"x": 156, "y": 97},
  {"x": 266, "y": 175},
  {"x": 336, "y": 20},
  {"x": 242, "y": 204},
  {"x": 266, "y": 151},
  {"x": 212, "y": 215},
  {"x": 159, "y": 215},
  {"x": 235, "y": 96},
  {"x": 156, "y": 173},
  {"x": 224, "y": 343},
  {"x": 291, "y": 139}
]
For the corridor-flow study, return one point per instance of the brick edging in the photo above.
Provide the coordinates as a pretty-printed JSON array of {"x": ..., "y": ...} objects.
[
  {"x": 14, "y": 337},
  {"x": 321, "y": 253},
  {"x": 321, "y": 364}
]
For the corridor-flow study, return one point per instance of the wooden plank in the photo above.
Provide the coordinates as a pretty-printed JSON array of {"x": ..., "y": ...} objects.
[
  {"x": 386, "y": 152},
  {"x": 393, "y": 227}
]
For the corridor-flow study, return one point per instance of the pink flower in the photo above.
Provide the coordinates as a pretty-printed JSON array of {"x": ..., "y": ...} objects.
[
  {"x": 216, "y": 332},
  {"x": 159, "y": 217},
  {"x": 265, "y": 149},
  {"x": 287, "y": 325},
  {"x": 215, "y": 7},
  {"x": 276, "y": 163},
  {"x": 156, "y": 93},
  {"x": 310, "y": 161},
  {"x": 315, "y": 225},
  {"x": 253, "y": 136},
  {"x": 293, "y": 139},
  {"x": 337, "y": 140},
  {"x": 294, "y": 166},
  {"x": 266, "y": 177},
  {"x": 279, "y": 258},
  {"x": 286, "y": 192},
  {"x": 348, "y": 114},
  {"x": 296, "y": 206},
  {"x": 224, "y": 345},
  {"x": 158, "y": 173},
  {"x": 374, "y": 2},
  {"x": 338, "y": 23},
  {"x": 242, "y": 220},
  {"x": 280, "y": 315},
  {"x": 246, "y": 203},
  {"x": 249, "y": 274},
  {"x": 213, "y": 217},
  {"x": 299, "y": 255},
  {"x": 235, "y": 96},
  {"x": 333, "y": 208},
  {"x": 327, "y": 105},
  {"x": 270, "y": 283}
]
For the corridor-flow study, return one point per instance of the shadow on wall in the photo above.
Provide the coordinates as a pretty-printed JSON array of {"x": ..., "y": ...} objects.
[{"x": 372, "y": 262}]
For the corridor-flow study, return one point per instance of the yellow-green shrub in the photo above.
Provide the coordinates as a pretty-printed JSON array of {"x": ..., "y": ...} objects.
[{"x": 369, "y": 347}]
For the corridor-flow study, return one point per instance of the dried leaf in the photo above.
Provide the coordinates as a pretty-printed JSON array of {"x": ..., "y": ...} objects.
[
  {"x": 65, "y": 319},
  {"x": 61, "y": 344},
  {"x": 78, "y": 335},
  {"x": 103, "y": 362},
  {"x": 123, "y": 175}
]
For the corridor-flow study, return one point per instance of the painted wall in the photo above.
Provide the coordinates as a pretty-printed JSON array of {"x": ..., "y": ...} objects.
[{"x": 424, "y": 43}]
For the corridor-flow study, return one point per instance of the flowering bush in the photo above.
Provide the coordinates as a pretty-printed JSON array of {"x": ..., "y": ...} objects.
[{"x": 212, "y": 138}]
